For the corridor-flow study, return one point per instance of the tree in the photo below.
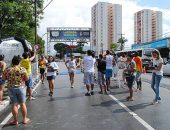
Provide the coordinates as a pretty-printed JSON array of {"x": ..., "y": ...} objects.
[
  {"x": 17, "y": 18},
  {"x": 61, "y": 48},
  {"x": 114, "y": 46},
  {"x": 122, "y": 41},
  {"x": 41, "y": 44}
]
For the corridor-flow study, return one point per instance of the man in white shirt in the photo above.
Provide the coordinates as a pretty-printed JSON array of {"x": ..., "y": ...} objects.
[
  {"x": 88, "y": 65},
  {"x": 109, "y": 68}
]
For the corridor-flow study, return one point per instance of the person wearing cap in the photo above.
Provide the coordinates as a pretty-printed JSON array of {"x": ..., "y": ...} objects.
[
  {"x": 2, "y": 82},
  {"x": 16, "y": 77},
  {"x": 129, "y": 73}
]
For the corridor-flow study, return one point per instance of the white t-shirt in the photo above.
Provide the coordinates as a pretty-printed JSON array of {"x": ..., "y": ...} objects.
[
  {"x": 54, "y": 66},
  {"x": 88, "y": 63},
  {"x": 71, "y": 64},
  {"x": 156, "y": 63},
  {"x": 109, "y": 62}
]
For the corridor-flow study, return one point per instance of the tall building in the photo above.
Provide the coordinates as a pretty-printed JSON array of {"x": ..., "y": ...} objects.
[
  {"x": 147, "y": 26},
  {"x": 106, "y": 25}
]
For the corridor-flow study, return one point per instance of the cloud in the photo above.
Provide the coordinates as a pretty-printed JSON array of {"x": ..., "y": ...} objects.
[{"x": 77, "y": 13}]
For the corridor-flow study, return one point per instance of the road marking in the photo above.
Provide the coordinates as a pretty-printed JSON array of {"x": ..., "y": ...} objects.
[
  {"x": 145, "y": 124},
  {"x": 4, "y": 122}
]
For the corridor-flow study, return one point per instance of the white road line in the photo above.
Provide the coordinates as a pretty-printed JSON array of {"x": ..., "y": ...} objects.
[
  {"x": 144, "y": 123},
  {"x": 4, "y": 122}
]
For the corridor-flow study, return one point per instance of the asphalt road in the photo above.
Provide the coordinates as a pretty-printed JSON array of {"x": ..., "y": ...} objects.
[{"x": 69, "y": 109}]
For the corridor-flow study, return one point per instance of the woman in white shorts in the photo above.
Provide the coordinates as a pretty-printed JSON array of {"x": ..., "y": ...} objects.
[{"x": 71, "y": 66}]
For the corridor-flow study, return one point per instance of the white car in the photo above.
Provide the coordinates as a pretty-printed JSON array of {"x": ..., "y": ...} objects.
[{"x": 166, "y": 68}]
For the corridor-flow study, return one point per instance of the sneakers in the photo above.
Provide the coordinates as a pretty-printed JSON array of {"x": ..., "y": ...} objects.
[
  {"x": 72, "y": 86},
  {"x": 32, "y": 98},
  {"x": 100, "y": 92},
  {"x": 155, "y": 102},
  {"x": 50, "y": 94},
  {"x": 129, "y": 98},
  {"x": 87, "y": 94},
  {"x": 92, "y": 93}
]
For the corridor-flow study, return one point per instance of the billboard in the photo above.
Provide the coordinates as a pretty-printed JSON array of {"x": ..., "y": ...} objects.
[
  {"x": 69, "y": 34},
  {"x": 163, "y": 43}
]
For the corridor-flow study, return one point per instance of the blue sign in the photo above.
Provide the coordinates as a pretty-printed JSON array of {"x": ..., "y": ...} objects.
[
  {"x": 163, "y": 43},
  {"x": 69, "y": 34}
]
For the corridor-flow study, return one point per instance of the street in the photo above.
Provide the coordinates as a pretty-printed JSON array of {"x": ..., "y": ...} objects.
[{"x": 69, "y": 109}]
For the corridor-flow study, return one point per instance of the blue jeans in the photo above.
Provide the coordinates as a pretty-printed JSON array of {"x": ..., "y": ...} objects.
[{"x": 156, "y": 79}]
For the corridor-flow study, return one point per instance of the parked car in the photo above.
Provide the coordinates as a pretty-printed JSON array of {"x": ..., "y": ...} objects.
[{"x": 166, "y": 68}]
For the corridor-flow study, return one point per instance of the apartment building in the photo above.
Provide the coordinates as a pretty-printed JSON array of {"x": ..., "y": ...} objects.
[
  {"x": 147, "y": 26},
  {"x": 106, "y": 22}
]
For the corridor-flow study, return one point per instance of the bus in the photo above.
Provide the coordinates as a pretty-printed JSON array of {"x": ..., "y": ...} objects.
[{"x": 144, "y": 53}]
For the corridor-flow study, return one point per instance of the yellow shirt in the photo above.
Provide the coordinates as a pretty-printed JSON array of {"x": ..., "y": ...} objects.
[{"x": 26, "y": 63}]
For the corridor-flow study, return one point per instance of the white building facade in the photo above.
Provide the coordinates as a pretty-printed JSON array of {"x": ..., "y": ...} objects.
[
  {"x": 147, "y": 26},
  {"x": 106, "y": 20}
]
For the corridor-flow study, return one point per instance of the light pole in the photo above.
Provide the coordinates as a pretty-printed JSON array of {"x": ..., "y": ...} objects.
[{"x": 35, "y": 11}]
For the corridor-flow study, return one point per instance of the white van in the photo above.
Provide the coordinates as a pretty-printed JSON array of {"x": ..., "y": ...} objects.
[{"x": 166, "y": 68}]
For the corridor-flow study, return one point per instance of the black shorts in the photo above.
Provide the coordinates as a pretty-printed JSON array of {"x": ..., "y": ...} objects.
[
  {"x": 130, "y": 80},
  {"x": 42, "y": 70},
  {"x": 51, "y": 77}
]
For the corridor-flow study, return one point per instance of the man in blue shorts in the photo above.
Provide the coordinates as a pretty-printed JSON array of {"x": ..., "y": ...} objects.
[{"x": 109, "y": 68}]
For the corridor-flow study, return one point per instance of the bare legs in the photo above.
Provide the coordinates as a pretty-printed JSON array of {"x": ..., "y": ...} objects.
[
  {"x": 1, "y": 94},
  {"x": 51, "y": 86},
  {"x": 71, "y": 75},
  {"x": 15, "y": 113}
]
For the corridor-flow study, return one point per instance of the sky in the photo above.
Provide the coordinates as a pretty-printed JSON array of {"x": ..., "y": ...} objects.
[{"x": 77, "y": 13}]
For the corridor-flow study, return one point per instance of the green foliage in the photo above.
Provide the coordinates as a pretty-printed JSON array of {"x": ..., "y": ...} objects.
[
  {"x": 17, "y": 18},
  {"x": 41, "y": 43},
  {"x": 60, "y": 47},
  {"x": 114, "y": 46},
  {"x": 122, "y": 41}
]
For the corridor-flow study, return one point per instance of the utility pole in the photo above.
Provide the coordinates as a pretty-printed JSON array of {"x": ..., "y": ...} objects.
[
  {"x": 35, "y": 11},
  {"x": 121, "y": 44}
]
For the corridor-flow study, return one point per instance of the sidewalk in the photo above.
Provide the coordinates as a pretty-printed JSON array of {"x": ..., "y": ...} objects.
[{"x": 6, "y": 97}]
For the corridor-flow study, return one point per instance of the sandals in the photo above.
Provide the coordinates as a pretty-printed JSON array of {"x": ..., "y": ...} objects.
[
  {"x": 26, "y": 121},
  {"x": 129, "y": 98},
  {"x": 13, "y": 123}
]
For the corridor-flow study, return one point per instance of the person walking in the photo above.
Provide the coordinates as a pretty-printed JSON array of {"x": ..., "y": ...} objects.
[
  {"x": 71, "y": 66},
  {"x": 109, "y": 68},
  {"x": 129, "y": 73},
  {"x": 26, "y": 63},
  {"x": 101, "y": 66},
  {"x": 16, "y": 77},
  {"x": 88, "y": 65},
  {"x": 52, "y": 67},
  {"x": 157, "y": 74},
  {"x": 42, "y": 66},
  {"x": 139, "y": 70},
  {"x": 2, "y": 82}
]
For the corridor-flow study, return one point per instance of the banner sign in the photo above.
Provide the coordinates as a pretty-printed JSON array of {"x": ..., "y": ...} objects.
[
  {"x": 163, "y": 43},
  {"x": 69, "y": 34}
]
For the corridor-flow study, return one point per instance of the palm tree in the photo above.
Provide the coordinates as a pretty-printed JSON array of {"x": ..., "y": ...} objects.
[{"x": 122, "y": 41}]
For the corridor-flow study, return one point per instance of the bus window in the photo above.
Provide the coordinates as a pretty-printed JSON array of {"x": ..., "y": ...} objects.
[{"x": 148, "y": 52}]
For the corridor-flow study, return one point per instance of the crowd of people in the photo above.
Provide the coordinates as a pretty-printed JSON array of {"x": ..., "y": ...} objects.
[
  {"x": 19, "y": 81},
  {"x": 107, "y": 65}
]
